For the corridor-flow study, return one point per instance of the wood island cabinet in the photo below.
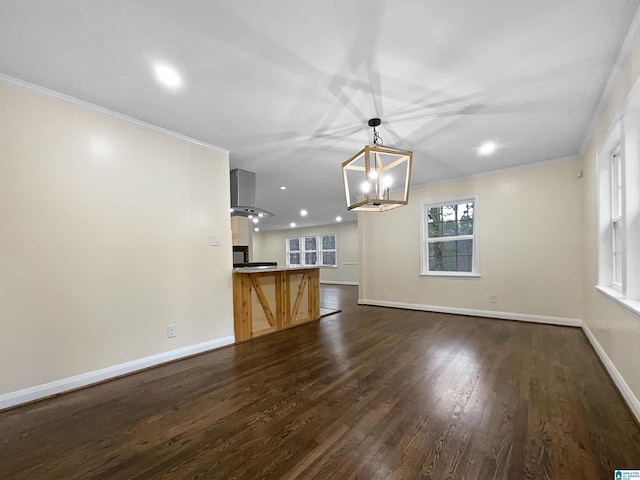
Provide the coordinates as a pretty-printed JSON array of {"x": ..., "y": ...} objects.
[{"x": 266, "y": 300}]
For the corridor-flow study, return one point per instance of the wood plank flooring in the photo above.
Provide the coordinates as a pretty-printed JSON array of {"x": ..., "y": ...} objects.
[{"x": 368, "y": 393}]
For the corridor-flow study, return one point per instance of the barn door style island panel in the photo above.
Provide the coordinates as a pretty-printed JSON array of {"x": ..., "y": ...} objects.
[{"x": 269, "y": 299}]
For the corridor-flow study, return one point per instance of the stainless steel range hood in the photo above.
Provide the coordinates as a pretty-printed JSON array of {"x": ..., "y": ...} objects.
[{"x": 243, "y": 194}]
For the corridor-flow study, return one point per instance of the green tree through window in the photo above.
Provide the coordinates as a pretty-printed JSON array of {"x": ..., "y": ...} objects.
[{"x": 450, "y": 232}]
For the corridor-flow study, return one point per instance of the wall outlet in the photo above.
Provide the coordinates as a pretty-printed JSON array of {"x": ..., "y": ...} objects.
[
  {"x": 171, "y": 330},
  {"x": 493, "y": 298}
]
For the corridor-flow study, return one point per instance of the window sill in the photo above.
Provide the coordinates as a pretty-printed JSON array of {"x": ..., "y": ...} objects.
[
  {"x": 632, "y": 305},
  {"x": 450, "y": 275}
]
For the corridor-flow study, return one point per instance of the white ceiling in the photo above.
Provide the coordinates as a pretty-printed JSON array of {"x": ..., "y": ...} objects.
[{"x": 288, "y": 85}]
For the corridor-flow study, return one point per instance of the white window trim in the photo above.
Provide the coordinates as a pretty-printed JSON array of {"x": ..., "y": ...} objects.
[
  {"x": 294, "y": 251},
  {"x": 605, "y": 207},
  {"x": 322, "y": 250},
  {"x": 424, "y": 243},
  {"x": 632, "y": 305},
  {"x": 303, "y": 239},
  {"x": 625, "y": 136},
  {"x": 616, "y": 175}
]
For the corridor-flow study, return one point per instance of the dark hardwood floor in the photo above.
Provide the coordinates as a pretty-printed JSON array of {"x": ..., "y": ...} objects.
[{"x": 370, "y": 393}]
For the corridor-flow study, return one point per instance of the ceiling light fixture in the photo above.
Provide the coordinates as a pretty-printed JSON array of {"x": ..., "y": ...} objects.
[
  {"x": 303, "y": 213},
  {"x": 256, "y": 229},
  {"x": 168, "y": 76},
  {"x": 293, "y": 224},
  {"x": 370, "y": 173},
  {"x": 283, "y": 188},
  {"x": 487, "y": 148},
  {"x": 256, "y": 219},
  {"x": 338, "y": 219}
]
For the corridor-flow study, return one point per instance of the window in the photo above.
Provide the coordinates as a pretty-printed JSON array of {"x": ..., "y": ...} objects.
[
  {"x": 293, "y": 252},
  {"x": 312, "y": 250},
  {"x": 618, "y": 203},
  {"x": 616, "y": 219},
  {"x": 328, "y": 243},
  {"x": 449, "y": 246}
]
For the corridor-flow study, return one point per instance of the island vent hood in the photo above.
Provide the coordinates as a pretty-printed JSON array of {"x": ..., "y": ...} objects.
[{"x": 243, "y": 195}]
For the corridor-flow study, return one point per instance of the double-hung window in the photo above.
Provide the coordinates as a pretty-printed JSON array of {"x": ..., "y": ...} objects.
[
  {"x": 293, "y": 252},
  {"x": 618, "y": 202},
  {"x": 312, "y": 250},
  {"x": 329, "y": 251},
  {"x": 449, "y": 238},
  {"x": 617, "y": 231}
]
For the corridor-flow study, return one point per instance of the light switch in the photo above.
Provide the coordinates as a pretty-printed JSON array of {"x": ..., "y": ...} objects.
[{"x": 214, "y": 240}]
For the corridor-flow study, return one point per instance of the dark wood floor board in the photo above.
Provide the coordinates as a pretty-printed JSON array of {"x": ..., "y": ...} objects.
[{"x": 367, "y": 393}]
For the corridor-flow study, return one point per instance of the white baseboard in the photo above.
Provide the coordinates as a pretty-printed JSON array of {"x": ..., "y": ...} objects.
[
  {"x": 523, "y": 317},
  {"x": 624, "y": 389},
  {"x": 30, "y": 394},
  {"x": 338, "y": 282}
]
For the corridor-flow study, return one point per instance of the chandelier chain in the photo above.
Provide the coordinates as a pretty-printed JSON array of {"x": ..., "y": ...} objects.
[{"x": 377, "y": 139}]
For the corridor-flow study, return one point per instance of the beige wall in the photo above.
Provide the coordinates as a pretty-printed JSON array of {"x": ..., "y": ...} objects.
[
  {"x": 271, "y": 246},
  {"x": 241, "y": 231},
  {"x": 104, "y": 240},
  {"x": 616, "y": 329},
  {"x": 529, "y": 244}
]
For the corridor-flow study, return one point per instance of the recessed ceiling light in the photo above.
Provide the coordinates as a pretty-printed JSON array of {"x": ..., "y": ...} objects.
[
  {"x": 338, "y": 219},
  {"x": 256, "y": 220},
  {"x": 261, "y": 215},
  {"x": 250, "y": 216},
  {"x": 303, "y": 213},
  {"x": 487, "y": 148},
  {"x": 283, "y": 188},
  {"x": 256, "y": 229},
  {"x": 293, "y": 224},
  {"x": 168, "y": 76}
]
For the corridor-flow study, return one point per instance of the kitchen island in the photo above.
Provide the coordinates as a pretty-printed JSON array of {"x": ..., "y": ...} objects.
[{"x": 268, "y": 299}]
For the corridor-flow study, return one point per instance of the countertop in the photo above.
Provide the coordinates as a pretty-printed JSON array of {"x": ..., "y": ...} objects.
[{"x": 269, "y": 269}]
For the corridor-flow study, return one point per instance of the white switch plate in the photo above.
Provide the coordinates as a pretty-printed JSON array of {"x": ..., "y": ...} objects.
[
  {"x": 171, "y": 330},
  {"x": 214, "y": 240}
]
